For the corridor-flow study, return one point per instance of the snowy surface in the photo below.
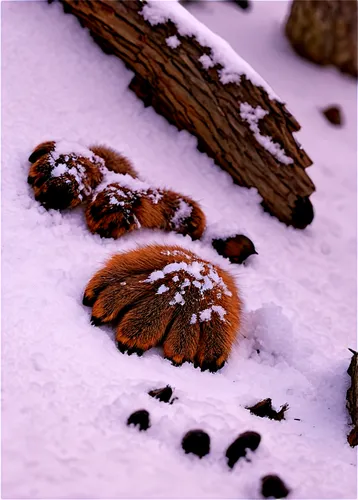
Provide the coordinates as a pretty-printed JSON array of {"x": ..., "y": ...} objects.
[{"x": 66, "y": 390}]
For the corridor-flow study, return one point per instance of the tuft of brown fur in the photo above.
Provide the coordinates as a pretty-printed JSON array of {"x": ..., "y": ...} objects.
[
  {"x": 167, "y": 295},
  {"x": 64, "y": 191},
  {"x": 117, "y": 210},
  {"x": 114, "y": 161}
]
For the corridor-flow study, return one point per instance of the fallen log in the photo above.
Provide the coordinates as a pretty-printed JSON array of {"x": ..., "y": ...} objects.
[{"x": 198, "y": 83}]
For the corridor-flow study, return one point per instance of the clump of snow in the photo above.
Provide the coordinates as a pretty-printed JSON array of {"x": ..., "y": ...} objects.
[
  {"x": 221, "y": 52},
  {"x": 67, "y": 147},
  {"x": 252, "y": 116},
  {"x": 206, "y": 61},
  {"x": 114, "y": 182},
  {"x": 173, "y": 41},
  {"x": 182, "y": 213},
  {"x": 162, "y": 289}
]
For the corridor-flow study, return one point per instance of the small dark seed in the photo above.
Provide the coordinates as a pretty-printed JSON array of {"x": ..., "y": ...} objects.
[
  {"x": 333, "y": 115},
  {"x": 247, "y": 440},
  {"x": 236, "y": 248},
  {"x": 140, "y": 419},
  {"x": 273, "y": 486},
  {"x": 164, "y": 394},
  {"x": 196, "y": 442},
  {"x": 264, "y": 409}
]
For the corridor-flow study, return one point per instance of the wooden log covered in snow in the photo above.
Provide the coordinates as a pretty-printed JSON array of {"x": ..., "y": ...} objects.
[
  {"x": 325, "y": 32},
  {"x": 198, "y": 83},
  {"x": 352, "y": 399}
]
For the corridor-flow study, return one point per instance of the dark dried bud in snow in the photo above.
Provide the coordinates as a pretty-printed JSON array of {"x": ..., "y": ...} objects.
[
  {"x": 333, "y": 115},
  {"x": 244, "y": 4},
  {"x": 139, "y": 418},
  {"x": 264, "y": 409},
  {"x": 164, "y": 394},
  {"x": 273, "y": 487},
  {"x": 302, "y": 214},
  {"x": 247, "y": 440},
  {"x": 236, "y": 249},
  {"x": 197, "y": 442}
]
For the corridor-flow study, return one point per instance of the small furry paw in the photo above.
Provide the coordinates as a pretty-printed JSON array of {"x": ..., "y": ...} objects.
[
  {"x": 63, "y": 174},
  {"x": 114, "y": 161},
  {"x": 167, "y": 295},
  {"x": 121, "y": 207}
]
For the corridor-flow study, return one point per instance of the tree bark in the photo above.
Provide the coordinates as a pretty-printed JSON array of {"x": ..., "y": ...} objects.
[
  {"x": 325, "y": 32},
  {"x": 352, "y": 399},
  {"x": 193, "y": 98}
]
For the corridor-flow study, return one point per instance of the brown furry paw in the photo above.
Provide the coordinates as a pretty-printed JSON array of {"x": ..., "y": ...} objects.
[
  {"x": 121, "y": 207},
  {"x": 63, "y": 174},
  {"x": 167, "y": 295},
  {"x": 114, "y": 161}
]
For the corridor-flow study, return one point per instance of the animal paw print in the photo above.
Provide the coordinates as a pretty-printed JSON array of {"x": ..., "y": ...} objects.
[
  {"x": 167, "y": 295},
  {"x": 118, "y": 209}
]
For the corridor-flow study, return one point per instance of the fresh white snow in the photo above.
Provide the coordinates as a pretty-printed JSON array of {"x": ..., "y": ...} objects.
[
  {"x": 252, "y": 116},
  {"x": 66, "y": 390}
]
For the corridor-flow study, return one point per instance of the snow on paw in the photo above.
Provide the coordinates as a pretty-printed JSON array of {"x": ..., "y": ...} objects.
[
  {"x": 167, "y": 295},
  {"x": 111, "y": 213},
  {"x": 63, "y": 174},
  {"x": 184, "y": 215},
  {"x": 128, "y": 204},
  {"x": 114, "y": 161}
]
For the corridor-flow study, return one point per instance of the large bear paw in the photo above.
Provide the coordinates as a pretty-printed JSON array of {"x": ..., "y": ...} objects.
[{"x": 167, "y": 295}]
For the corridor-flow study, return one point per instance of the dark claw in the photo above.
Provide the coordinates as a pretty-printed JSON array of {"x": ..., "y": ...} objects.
[
  {"x": 129, "y": 350},
  {"x": 211, "y": 366},
  {"x": 174, "y": 363},
  {"x": 96, "y": 321},
  {"x": 135, "y": 350},
  {"x": 87, "y": 301},
  {"x": 121, "y": 347}
]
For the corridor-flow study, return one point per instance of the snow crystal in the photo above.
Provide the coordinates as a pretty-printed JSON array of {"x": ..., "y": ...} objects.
[
  {"x": 205, "y": 315},
  {"x": 173, "y": 41},
  {"x": 194, "y": 319},
  {"x": 206, "y": 61},
  {"x": 59, "y": 170},
  {"x": 183, "y": 212},
  {"x": 178, "y": 299},
  {"x": 252, "y": 116},
  {"x": 155, "y": 275},
  {"x": 220, "y": 310},
  {"x": 162, "y": 289}
]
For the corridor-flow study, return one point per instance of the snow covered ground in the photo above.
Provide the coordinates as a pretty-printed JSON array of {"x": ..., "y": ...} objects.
[{"x": 66, "y": 390}]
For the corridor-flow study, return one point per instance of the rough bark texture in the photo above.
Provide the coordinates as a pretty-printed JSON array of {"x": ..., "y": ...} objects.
[
  {"x": 352, "y": 399},
  {"x": 325, "y": 32},
  {"x": 174, "y": 82}
]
